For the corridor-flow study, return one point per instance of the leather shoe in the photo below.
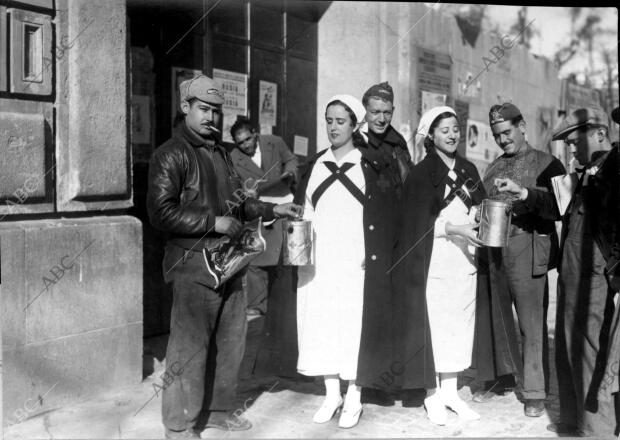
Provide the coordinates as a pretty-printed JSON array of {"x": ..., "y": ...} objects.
[
  {"x": 534, "y": 407},
  {"x": 461, "y": 409},
  {"x": 186, "y": 433},
  {"x": 350, "y": 417},
  {"x": 436, "y": 410},
  {"x": 227, "y": 421},
  {"x": 564, "y": 428},
  {"x": 326, "y": 412}
]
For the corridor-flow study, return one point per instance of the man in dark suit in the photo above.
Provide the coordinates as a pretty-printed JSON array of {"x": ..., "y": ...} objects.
[{"x": 269, "y": 171}]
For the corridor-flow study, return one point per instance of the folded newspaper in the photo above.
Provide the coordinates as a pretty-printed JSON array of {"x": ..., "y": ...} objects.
[
  {"x": 563, "y": 189},
  {"x": 227, "y": 256}
]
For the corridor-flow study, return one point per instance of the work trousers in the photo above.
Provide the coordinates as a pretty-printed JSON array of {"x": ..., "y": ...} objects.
[
  {"x": 204, "y": 322},
  {"x": 256, "y": 285},
  {"x": 585, "y": 309},
  {"x": 530, "y": 296}
]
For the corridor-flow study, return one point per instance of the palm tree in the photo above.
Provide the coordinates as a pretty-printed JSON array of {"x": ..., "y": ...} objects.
[{"x": 523, "y": 28}]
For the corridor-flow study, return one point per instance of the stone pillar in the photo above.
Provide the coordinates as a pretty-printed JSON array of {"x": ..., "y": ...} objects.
[{"x": 71, "y": 303}]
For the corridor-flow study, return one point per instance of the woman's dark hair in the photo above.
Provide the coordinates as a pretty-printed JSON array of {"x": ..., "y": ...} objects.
[
  {"x": 428, "y": 142},
  {"x": 346, "y": 107},
  {"x": 357, "y": 139},
  {"x": 241, "y": 123}
]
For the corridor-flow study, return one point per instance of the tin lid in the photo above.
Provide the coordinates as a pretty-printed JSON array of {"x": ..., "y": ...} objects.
[{"x": 498, "y": 203}]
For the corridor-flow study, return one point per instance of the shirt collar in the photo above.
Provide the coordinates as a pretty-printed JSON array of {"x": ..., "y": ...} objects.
[{"x": 354, "y": 156}]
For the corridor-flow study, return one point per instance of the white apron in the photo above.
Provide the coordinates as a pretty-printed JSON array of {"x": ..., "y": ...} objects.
[
  {"x": 451, "y": 290},
  {"x": 330, "y": 293}
]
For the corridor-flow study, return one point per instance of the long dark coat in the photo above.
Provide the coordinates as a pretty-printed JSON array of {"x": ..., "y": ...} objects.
[
  {"x": 279, "y": 353},
  {"x": 423, "y": 196}
]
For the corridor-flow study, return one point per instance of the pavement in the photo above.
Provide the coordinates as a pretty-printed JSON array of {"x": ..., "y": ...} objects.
[{"x": 280, "y": 408}]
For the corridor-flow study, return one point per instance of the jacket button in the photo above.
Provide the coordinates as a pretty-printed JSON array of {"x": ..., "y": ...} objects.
[
  {"x": 337, "y": 171},
  {"x": 375, "y": 162},
  {"x": 371, "y": 227},
  {"x": 370, "y": 196},
  {"x": 373, "y": 257}
]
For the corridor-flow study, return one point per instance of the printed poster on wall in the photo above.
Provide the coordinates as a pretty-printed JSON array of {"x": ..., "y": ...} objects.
[
  {"x": 481, "y": 145},
  {"x": 431, "y": 99},
  {"x": 267, "y": 103},
  {"x": 234, "y": 85},
  {"x": 180, "y": 74}
]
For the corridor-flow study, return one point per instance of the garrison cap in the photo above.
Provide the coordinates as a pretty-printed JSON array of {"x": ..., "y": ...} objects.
[
  {"x": 382, "y": 90},
  {"x": 503, "y": 112},
  {"x": 583, "y": 117},
  {"x": 615, "y": 116}
]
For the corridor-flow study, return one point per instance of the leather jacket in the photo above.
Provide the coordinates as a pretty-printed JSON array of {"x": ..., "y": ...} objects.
[{"x": 188, "y": 189}]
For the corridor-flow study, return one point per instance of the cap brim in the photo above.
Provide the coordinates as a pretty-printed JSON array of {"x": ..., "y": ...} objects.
[{"x": 566, "y": 131}]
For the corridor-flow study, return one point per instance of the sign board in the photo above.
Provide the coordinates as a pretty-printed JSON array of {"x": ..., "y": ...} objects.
[{"x": 234, "y": 85}]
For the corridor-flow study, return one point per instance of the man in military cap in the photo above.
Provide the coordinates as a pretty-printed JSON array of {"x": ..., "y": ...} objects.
[
  {"x": 379, "y": 103},
  {"x": 190, "y": 197},
  {"x": 587, "y": 359},
  {"x": 522, "y": 176}
]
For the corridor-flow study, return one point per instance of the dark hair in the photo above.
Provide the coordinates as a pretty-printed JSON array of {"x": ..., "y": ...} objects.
[
  {"x": 517, "y": 120},
  {"x": 241, "y": 123},
  {"x": 346, "y": 107},
  {"x": 357, "y": 139},
  {"x": 428, "y": 142}
]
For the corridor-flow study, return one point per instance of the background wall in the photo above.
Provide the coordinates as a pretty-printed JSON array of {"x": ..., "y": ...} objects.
[{"x": 419, "y": 49}]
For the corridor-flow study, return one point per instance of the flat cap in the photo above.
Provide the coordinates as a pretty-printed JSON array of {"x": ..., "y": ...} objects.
[
  {"x": 504, "y": 112},
  {"x": 201, "y": 87},
  {"x": 589, "y": 116},
  {"x": 382, "y": 90}
]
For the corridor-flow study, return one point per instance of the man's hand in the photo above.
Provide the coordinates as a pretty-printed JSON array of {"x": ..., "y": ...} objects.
[
  {"x": 251, "y": 193},
  {"x": 466, "y": 231},
  {"x": 227, "y": 225},
  {"x": 290, "y": 210},
  {"x": 507, "y": 185}
]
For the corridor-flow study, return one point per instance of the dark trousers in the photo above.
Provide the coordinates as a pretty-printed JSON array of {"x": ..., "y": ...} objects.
[
  {"x": 530, "y": 296},
  {"x": 204, "y": 322},
  {"x": 584, "y": 314},
  {"x": 256, "y": 286}
]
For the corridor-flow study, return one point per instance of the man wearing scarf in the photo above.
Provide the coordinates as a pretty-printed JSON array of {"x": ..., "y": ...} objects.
[
  {"x": 379, "y": 103},
  {"x": 532, "y": 246}
]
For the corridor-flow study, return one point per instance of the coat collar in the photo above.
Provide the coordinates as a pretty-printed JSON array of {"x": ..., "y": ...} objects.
[
  {"x": 391, "y": 137},
  {"x": 438, "y": 170},
  {"x": 193, "y": 138}
]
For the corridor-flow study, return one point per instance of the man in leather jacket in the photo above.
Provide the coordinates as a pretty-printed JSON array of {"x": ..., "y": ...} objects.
[{"x": 195, "y": 197}]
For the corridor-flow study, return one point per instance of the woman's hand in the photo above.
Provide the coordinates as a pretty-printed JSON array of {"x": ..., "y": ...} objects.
[{"x": 466, "y": 231}]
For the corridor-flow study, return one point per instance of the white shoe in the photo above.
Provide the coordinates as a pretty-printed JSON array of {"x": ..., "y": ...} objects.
[
  {"x": 327, "y": 410},
  {"x": 436, "y": 410},
  {"x": 462, "y": 409},
  {"x": 350, "y": 417}
]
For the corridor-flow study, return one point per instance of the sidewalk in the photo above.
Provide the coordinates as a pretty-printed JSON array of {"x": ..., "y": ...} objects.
[
  {"x": 281, "y": 408},
  {"x": 278, "y": 408}
]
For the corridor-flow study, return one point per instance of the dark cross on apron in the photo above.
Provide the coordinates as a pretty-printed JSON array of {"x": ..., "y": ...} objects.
[
  {"x": 456, "y": 190},
  {"x": 338, "y": 174}
]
